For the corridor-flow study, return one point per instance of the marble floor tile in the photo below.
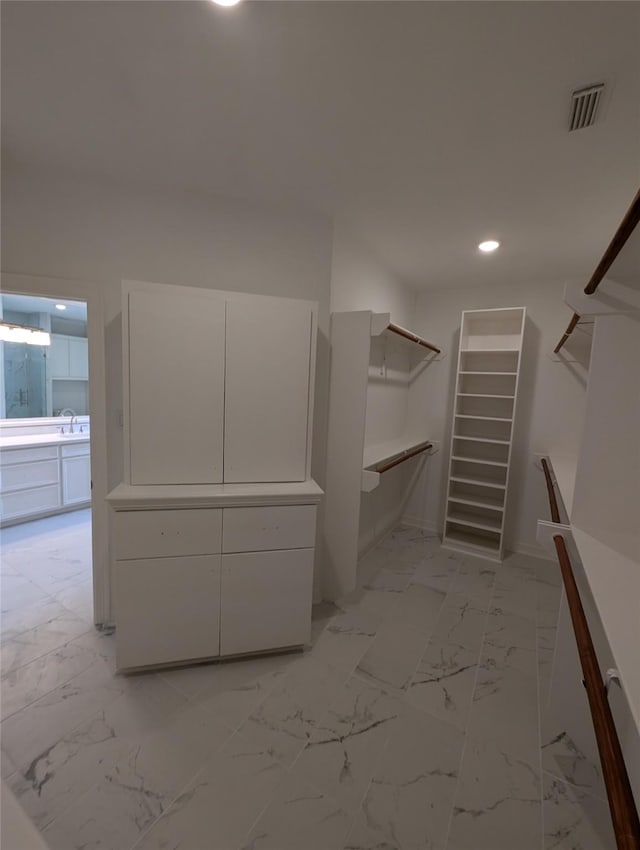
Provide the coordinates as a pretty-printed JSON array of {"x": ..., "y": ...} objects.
[
  {"x": 362, "y": 836},
  {"x": 63, "y": 772},
  {"x": 27, "y": 646},
  {"x": 562, "y": 758},
  {"x": 32, "y": 731},
  {"x": 117, "y": 811},
  {"x": 504, "y": 709},
  {"x": 518, "y": 598},
  {"x": 393, "y": 657},
  {"x": 509, "y": 641},
  {"x": 461, "y": 621},
  {"x": 497, "y": 802},
  {"x": 410, "y": 543},
  {"x": 419, "y": 606},
  {"x": 389, "y": 581},
  {"x": 475, "y": 578},
  {"x": 299, "y": 816},
  {"x": 16, "y": 592},
  {"x": 437, "y": 571},
  {"x": 345, "y": 639},
  {"x": 221, "y": 804},
  {"x": 574, "y": 820},
  {"x": 238, "y": 688},
  {"x": 548, "y": 571},
  {"x": 27, "y": 617},
  {"x": 78, "y": 598},
  {"x": 444, "y": 682},
  {"x": 410, "y": 798},
  {"x": 7, "y": 765},
  {"x": 548, "y": 596},
  {"x": 342, "y": 753},
  {"x": 24, "y": 685},
  {"x": 526, "y": 564},
  {"x": 285, "y": 721},
  {"x": 378, "y": 603}
]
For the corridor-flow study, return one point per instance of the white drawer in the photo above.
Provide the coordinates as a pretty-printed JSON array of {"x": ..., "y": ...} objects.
[
  {"x": 162, "y": 534},
  {"x": 75, "y": 449},
  {"x": 9, "y": 456},
  {"x": 28, "y": 475},
  {"x": 26, "y": 502},
  {"x": 261, "y": 529}
]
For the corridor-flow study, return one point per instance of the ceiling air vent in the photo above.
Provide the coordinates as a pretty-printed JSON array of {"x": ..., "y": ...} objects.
[{"x": 584, "y": 107}]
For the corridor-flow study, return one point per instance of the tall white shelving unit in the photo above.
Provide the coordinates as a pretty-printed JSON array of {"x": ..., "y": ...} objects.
[{"x": 482, "y": 432}]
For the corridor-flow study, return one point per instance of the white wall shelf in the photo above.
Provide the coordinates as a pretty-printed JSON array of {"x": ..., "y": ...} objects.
[
  {"x": 376, "y": 368},
  {"x": 482, "y": 435}
]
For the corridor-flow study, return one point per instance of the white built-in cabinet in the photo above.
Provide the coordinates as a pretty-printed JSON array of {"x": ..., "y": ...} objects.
[
  {"x": 482, "y": 433},
  {"x": 213, "y": 530},
  {"x": 68, "y": 358}
]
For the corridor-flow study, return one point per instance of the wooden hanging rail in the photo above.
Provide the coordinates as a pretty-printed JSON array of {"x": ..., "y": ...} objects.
[
  {"x": 624, "y": 231},
  {"x": 396, "y": 329},
  {"x": 385, "y": 467},
  {"x": 570, "y": 329},
  {"x": 624, "y": 815}
]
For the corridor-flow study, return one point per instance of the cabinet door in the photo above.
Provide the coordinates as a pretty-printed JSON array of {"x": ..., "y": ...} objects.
[
  {"x": 76, "y": 479},
  {"x": 267, "y": 391},
  {"x": 265, "y": 600},
  {"x": 167, "y": 610},
  {"x": 176, "y": 387},
  {"x": 58, "y": 355},
  {"x": 78, "y": 358}
]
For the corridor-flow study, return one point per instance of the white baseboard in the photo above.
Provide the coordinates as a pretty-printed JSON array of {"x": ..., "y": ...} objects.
[{"x": 535, "y": 551}]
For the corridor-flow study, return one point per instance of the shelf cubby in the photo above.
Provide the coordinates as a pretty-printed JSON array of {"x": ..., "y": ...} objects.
[{"x": 482, "y": 433}]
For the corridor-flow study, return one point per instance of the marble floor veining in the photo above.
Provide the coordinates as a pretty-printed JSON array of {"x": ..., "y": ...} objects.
[{"x": 410, "y": 722}]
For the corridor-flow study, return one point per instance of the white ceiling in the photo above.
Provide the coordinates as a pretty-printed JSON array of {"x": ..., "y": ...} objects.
[
  {"x": 423, "y": 127},
  {"x": 33, "y": 304}
]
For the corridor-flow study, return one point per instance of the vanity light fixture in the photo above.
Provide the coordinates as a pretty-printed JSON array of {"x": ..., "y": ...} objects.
[
  {"x": 20, "y": 333},
  {"x": 61, "y": 306},
  {"x": 226, "y": 2},
  {"x": 489, "y": 246}
]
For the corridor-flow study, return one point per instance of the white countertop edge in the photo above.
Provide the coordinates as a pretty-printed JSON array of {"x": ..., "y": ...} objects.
[
  {"x": 614, "y": 581},
  {"x": 28, "y": 441},
  {"x": 137, "y": 497}
]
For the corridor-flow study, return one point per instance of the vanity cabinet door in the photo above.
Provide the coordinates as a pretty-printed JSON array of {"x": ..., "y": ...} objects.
[
  {"x": 76, "y": 479},
  {"x": 175, "y": 387},
  {"x": 265, "y": 600},
  {"x": 267, "y": 391},
  {"x": 167, "y": 610}
]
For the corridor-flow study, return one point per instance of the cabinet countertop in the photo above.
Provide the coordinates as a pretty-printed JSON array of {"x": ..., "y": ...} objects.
[
  {"x": 25, "y": 441},
  {"x": 126, "y": 497}
]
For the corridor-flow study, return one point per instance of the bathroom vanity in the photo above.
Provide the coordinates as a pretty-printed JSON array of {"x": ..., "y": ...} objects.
[
  {"x": 43, "y": 473},
  {"x": 213, "y": 530}
]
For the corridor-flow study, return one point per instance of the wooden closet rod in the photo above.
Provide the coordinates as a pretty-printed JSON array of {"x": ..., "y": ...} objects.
[
  {"x": 423, "y": 447},
  {"x": 570, "y": 328},
  {"x": 630, "y": 220},
  {"x": 396, "y": 329},
  {"x": 624, "y": 815}
]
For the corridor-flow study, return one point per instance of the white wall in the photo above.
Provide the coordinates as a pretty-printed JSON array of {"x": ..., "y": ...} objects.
[
  {"x": 69, "y": 228},
  {"x": 550, "y": 406}
]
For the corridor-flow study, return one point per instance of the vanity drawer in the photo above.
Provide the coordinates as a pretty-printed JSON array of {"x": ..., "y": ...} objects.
[
  {"x": 166, "y": 533},
  {"x": 75, "y": 449},
  {"x": 273, "y": 527},
  {"x": 9, "y": 456},
  {"x": 28, "y": 475}
]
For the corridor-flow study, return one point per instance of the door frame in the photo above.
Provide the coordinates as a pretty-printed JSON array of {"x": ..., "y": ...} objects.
[{"x": 91, "y": 293}]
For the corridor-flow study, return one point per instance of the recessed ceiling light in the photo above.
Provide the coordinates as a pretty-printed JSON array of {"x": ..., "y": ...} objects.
[
  {"x": 61, "y": 306},
  {"x": 489, "y": 246},
  {"x": 226, "y": 2}
]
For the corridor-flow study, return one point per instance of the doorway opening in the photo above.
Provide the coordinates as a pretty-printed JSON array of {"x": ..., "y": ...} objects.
[{"x": 45, "y": 456}]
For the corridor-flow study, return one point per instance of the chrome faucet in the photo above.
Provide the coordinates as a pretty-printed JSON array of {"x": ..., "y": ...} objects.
[{"x": 69, "y": 412}]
